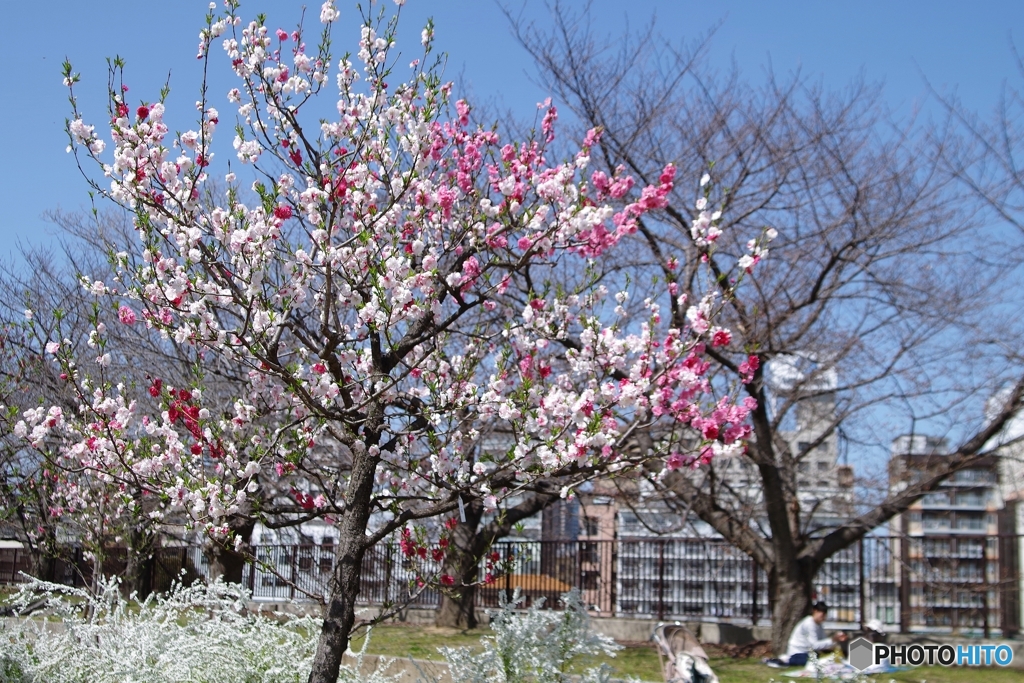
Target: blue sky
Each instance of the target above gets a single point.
(952, 44)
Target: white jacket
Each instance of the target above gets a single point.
(808, 636)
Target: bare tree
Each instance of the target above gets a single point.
(869, 303)
(987, 160)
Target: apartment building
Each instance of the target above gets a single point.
(675, 566)
(950, 572)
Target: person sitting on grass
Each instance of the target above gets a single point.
(807, 637)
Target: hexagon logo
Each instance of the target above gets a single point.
(862, 654)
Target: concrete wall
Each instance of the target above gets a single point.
(706, 632)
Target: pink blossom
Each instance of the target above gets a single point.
(748, 367)
(548, 124)
(470, 271)
(126, 315)
(462, 109)
(720, 337)
(675, 461)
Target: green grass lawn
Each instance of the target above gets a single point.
(753, 671)
(641, 661)
(421, 642)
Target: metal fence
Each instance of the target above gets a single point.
(953, 583)
(938, 583)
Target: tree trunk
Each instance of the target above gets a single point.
(44, 550)
(225, 562)
(43, 565)
(458, 607)
(138, 572)
(790, 594)
(340, 614)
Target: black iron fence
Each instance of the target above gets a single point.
(966, 584)
(74, 568)
(952, 583)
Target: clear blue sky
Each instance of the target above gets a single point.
(952, 43)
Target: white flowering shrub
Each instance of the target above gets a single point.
(534, 645)
(201, 633)
(11, 671)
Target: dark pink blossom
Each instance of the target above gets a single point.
(126, 315)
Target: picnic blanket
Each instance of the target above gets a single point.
(829, 668)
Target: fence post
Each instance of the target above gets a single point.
(863, 586)
(14, 567)
(904, 591)
(613, 575)
(661, 579)
(579, 565)
(388, 571)
(252, 570)
(508, 573)
(753, 592)
(294, 566)
(984, 587)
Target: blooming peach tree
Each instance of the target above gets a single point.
(396, 279)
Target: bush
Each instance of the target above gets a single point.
(534, 645)
(203, 634)
(11, 671)
(198, 633)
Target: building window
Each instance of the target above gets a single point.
(591, 526)
(803, 446)
(822, 466)
(970, 498)
(972, 522)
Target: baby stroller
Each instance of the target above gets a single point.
(683, 660)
